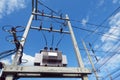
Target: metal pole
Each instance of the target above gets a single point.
(33, 5)
(16, 60)
(77, 51)
(36, 10)
(85, 77)
(27, 29)
(89, 57)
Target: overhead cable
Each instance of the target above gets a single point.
(99, 33)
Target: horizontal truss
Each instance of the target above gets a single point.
(53, 30)
(37, 71)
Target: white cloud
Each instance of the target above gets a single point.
(8, 6)
(114, 61)
(5, 61)
(109, 40)
(113, 33)
(101, 2)
(107, 46)
(85, 20)
(29, 60)
(26, 59)
(116, 1)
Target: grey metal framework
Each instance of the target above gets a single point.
(16, 71)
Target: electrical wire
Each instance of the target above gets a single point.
(112, 73)
(108, 51)
(46, 43)
(114, 12)
(7, 53)
(118, 75)
(99, 33)
(105, 39)
(47, 7)
(59, 40)
(40, 2)
(96, 50)
(104, 21)
(52, 40)
(108, 58)
(92, 24)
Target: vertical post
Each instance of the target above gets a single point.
(9, 77)
(27, 28)
(85, 77)
(18, 53)
(77, 51)
(33, 4)
(36, 9)
(88, 54)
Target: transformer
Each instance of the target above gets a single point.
(50, 58)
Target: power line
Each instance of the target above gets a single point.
(96, 50)
(112, 73)
(59, 40)
(47, 7)
(87, 23)
(44, 38)
(99, 33)
(118, 75)
(105, 20)
(52, 40)
(7, 53)
(106, 38)
(113, 13)
(108, 58)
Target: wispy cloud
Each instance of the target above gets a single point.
(109, 39)
(116, 1)
(114, 61)
(84, 21)
(26, 59)
(101, 2)
(113, 33)
(9, 6)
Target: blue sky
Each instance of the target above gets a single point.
(17, 13)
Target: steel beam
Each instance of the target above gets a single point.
(18, 54)
(90, 59)
(77, 51)
(49, 16)
(37, 71)
(47, 29)
(27, 29)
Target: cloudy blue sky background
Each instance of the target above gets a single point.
(104, 40)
